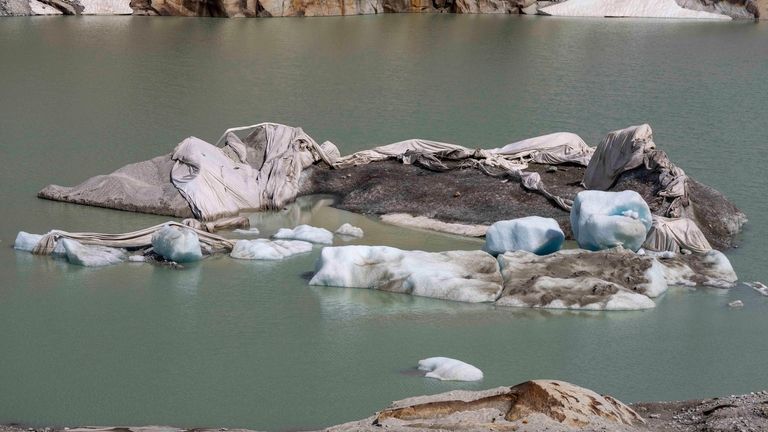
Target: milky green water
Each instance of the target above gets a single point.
(233, 343)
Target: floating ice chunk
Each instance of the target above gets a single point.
(448, 369)
(249, 231)
(535, 234)
(736, 304)
(26, 242)
(349, 230)
(709, 269)
(137, 258)
(577, 279)
(468, 276)
(603, 220)
(177, 244)
(91, 255)
(305, 233)
(263, 249)
(759, 287)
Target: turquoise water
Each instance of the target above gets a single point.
(231, 343)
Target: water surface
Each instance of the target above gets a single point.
(249, 344)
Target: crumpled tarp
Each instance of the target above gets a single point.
(620, 150)
(674, 234)
(554, 149)
(417, 146)
(131, 240)
(261, 171)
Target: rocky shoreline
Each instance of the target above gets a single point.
(530, 406)
(696, 9)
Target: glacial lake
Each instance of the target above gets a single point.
(248, 344)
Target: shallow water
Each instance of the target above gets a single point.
(237, 343)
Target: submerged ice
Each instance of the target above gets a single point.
(306, 233)
(263, 249)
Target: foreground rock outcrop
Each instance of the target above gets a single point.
(697, 9)
(530, 406)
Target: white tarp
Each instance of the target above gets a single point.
(626, 8)
(671, 235)
(394, 150)
(556, 148)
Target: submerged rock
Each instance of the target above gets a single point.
(605, 220)
(306, 233)
(448, 369)
(468, 276)
(531, 406)
(263, 249)
(535, 234)
(177, 244)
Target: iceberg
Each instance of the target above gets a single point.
(627, 8)
(92, 255)
(306, 233)
(263, 249)
(711, 269)
(468, 276)
(350, 231)
(178, 244)
(604, 220)
(535, 234)
(448, 369)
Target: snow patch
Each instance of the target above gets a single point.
(627, 8)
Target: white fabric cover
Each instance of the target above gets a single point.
(448, 369)
(394, 150)
(619, 151)
(222, 181)
(604, 220)
(627, 8)
(175, 243)
(669, 234)
(263, 249)
(556, 148)
(468, 276)
(535, 234)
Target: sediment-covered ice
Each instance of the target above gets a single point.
(177, 244)
(448, 369)
(711, 269)
(627, 8)
(263, 249)
(577, 279)
(306, 233)
(535, 234)
(91, 255)
(468, 276)
(604, 220)
(350, 231)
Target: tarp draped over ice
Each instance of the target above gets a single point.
(131, 240)
(261, 171)
(669, 234)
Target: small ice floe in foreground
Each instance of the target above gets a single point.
(535, 234)
(305, 233)
(92, 255)
(177, 244)
(448, 369)
(263, 249)
(349, 230)
(249, 231)
(759, 287)
(736, 304)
